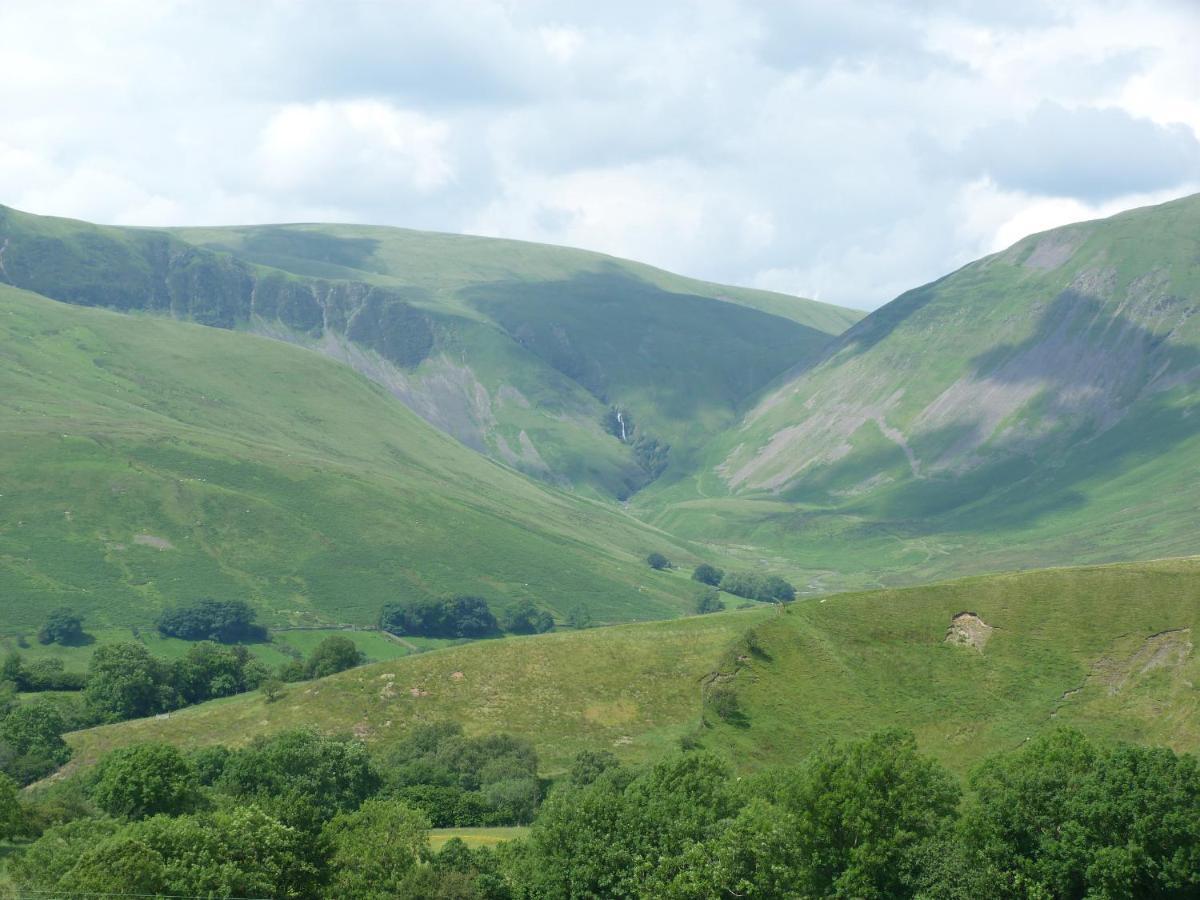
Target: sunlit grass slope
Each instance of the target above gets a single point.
(145, 461)
(630, 689)
(1108, 649)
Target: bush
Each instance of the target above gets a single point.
(226, 621)
(31, 744)
(658, 562)
(706, 574)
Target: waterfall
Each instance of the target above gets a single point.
(621, 422)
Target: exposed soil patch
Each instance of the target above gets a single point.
(1165, 649)
(149, 540)
(968, 630)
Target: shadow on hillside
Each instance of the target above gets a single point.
(615, 334)
(1113, 387)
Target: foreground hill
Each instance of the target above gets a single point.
(1040, 406)
(147, 461)
(1108, 649)
(584, 370)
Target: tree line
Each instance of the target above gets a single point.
(308, 816)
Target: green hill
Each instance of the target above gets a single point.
(148, 461)
(1037, 407)
(524, 352)
(1108, 649)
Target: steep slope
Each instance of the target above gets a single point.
(145, 460)
(581, 369)
(1108, 649)
(1038, 406)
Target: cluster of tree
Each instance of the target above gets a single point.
(875, 819)
(305, 816)
(297, 815)
(709, 601)
(224, 621)
(751, 585)
(458, 781)
(125, 681)
(461, 617)
(46, 674)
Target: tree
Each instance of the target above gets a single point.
(374, 848)
(145, 780)
(271, 689)
(225, 621)
(126, 682)
(525, 618)
(305, 777)
(12, 815)
(709, 602)
(62, 626)
(209, 670)
(1073, 819)
(121, 866)
(706, 574)
(472, 617)
(860, 809)
(579, 617)
(589, 765)
(31, 744)
(658, 562)
(334, 654)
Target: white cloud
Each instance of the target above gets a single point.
(352, 150)
(849, 150)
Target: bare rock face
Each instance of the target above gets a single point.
(968, 630)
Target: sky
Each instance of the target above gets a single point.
(843, 151)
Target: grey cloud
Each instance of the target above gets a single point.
(1088, 153)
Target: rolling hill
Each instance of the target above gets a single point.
(148, 461)
(587, 371)
(1038, 407)
(973, 666)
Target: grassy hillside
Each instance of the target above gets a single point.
(1037, 407)
(632, 689)
(146, 460)
(521, 351)
(1109, 649)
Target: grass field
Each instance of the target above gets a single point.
(474, 837)
(148, 461)
(1108, 649)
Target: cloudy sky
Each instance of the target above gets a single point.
(845, 151)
